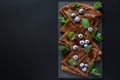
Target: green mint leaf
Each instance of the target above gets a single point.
(96, 72)
(72, 62)
(91, 67)
(63, 20)
(66, 21)
(88, 48)
(85, 23)
(64, 49)
(93, 33)
(71, 35)
(97, 5)
(76, 6)
(98, 37)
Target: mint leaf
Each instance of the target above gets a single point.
(71, 35)
(97, 5)
(98, 37)
(72, 62)
(93, 70)
(64, 49)
(85, 23)
(63, 20)
(76, 6)
(88, 48)
(91, 67)
(93, 33)
(96, 72)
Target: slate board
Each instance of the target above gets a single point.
(99, 64)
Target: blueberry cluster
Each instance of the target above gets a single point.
(83, 66)
(76, 18)
(83, 42)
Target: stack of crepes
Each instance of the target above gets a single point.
(92, 15)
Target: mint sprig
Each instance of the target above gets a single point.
(98, 37)
(64, 49)
(77, 5)
(95, 71)
(63, 20)
(97, 5)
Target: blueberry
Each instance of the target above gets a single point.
(81, 11)
(90, 29)
(75, 47)
(80, 36)
(81, 42)
(77, 19)
(85, 45)
(73, 15)
(82, 65)
(75, 57)
(87, 41)
(86, 65)
(84, 69)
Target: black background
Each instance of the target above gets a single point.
(28, 39)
